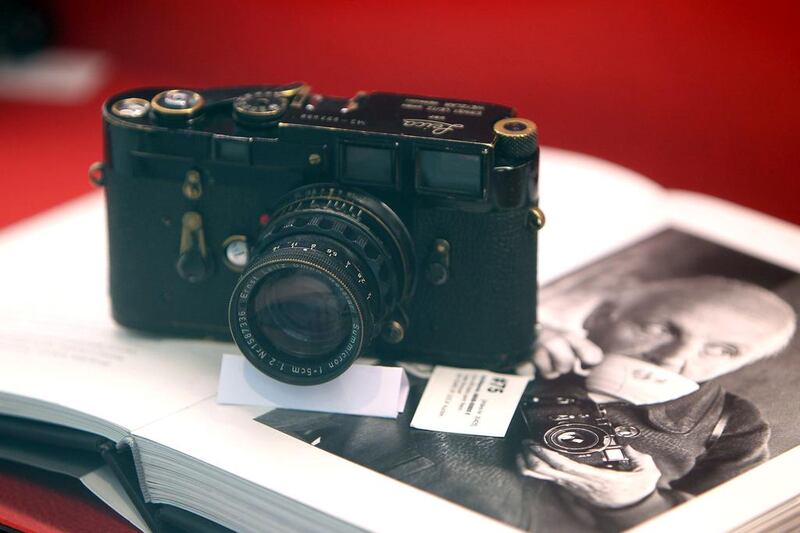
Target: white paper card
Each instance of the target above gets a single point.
(361, 390)
(473, 402)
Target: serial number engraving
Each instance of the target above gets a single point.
(333, 119)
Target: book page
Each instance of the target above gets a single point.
(736, 226)
(770, 384)
(592, 207)
(476, 475)
(229, 439)
(714, 297)
(63, 358)
(698, 289)
(687, 311)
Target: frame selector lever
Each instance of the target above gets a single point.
(194, 264)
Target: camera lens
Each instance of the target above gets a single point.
(576, 438)
(324, 277)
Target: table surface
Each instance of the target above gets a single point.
(38, 501)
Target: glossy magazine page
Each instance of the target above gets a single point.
(692, 358)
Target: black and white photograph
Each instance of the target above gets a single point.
(661, 371)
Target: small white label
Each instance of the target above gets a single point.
(361, 390)
(472, 402)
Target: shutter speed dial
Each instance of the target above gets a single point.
(260, 108)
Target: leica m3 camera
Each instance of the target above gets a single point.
(575, 427)
(313, 229)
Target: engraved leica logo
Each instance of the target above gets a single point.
(436, 127)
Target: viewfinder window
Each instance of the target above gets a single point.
(449, 172)
(232, 150)
(368, 164)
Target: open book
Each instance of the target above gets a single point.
(610, 233)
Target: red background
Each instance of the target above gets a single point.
(701, 96)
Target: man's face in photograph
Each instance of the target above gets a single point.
(698, 327)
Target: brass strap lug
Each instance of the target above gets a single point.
(536, 218)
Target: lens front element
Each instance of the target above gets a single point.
(298, 314)
(302, 312)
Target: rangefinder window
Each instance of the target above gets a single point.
(232, 149)
(369, 165)
(449, 172)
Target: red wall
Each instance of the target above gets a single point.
(697, 95)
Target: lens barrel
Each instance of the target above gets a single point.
(324, 277)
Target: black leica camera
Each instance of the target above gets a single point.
(313, 228)
(575, 427)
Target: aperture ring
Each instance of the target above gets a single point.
(361, 211)
(357, 241)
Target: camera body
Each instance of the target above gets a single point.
(200, 182)
(575, 427)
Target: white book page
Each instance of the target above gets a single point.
(592, 208)
(735, 503)
(59, 346)
(736, 227)
(257, 453)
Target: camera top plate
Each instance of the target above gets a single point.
(380, 112)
